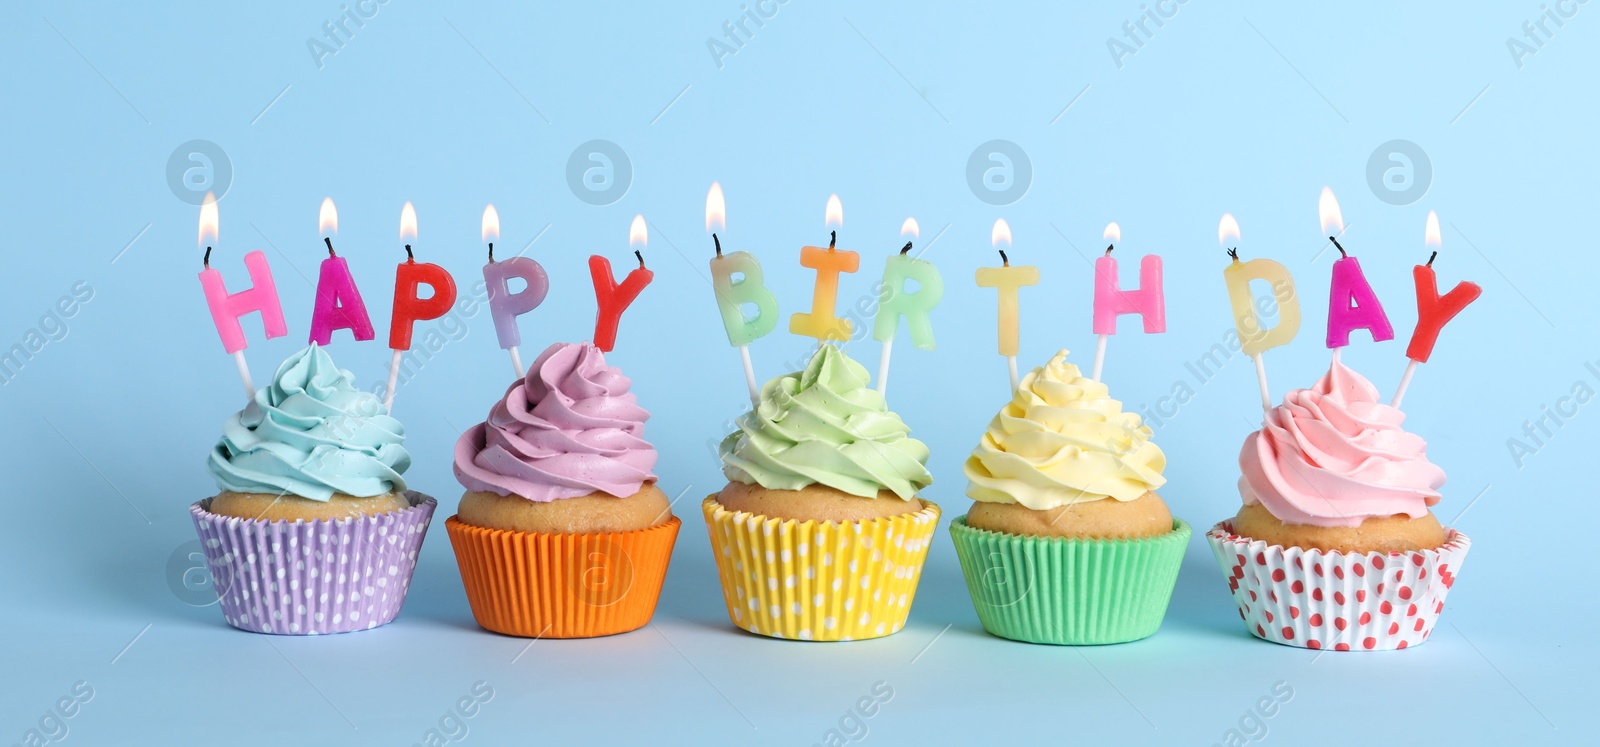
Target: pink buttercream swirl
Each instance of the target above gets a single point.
(1333, 456)
(568, 429)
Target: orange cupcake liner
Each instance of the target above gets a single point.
(551, 585)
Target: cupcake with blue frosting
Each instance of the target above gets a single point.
(314, 529)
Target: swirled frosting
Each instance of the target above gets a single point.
(311, 433)
(825, 426)
(567, 429)
(1061, 440)
(1333, 456)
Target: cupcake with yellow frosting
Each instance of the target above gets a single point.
(1067, 541)
(820, 534)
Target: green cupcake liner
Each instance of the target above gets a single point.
(1069, 591)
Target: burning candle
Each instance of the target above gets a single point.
(895, 301)
(504, 305)
(613, 298)
(409, 306)
(820, 321)
(1254, 337)
(1351, 303)
(338, 303)
(226, 308)
(1433, 311)
(1110, 301)
(737, 281)
(1007, 280)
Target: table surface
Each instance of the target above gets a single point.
(573, 120)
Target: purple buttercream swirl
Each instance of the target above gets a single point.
(568, 429)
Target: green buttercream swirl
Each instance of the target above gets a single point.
(824, 425)
(311, 433)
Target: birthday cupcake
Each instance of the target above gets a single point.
(562, 532)
(1335, 546)
(1067, 541)
(819, 534)
(314, 530)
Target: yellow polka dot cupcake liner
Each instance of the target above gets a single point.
(819, 581)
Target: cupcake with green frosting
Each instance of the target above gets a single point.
(820, 533)
(1067, 541)
(313, 529)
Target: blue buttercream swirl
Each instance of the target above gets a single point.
(311, 433)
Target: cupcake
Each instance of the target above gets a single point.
(562, 532)
(1067, 541)
(819, 534)
(1335, 545)
(314, 530)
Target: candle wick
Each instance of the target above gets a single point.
(1234, 253)
(905, 249)
(640, 255)
(329, 241)
(206, 261)
(833, 238)
(409, 257)
(1109, 247)
(1432, 257)
(1336, 246)
(718, 242)
(491, 252)
(1004, 261)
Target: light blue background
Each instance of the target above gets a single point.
(1248, 107)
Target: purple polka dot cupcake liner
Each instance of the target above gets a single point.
(312, 577)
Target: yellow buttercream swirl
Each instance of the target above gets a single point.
(1061, 440)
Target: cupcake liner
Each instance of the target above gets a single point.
(312, 577)
(819, 581)
(554, 585)
(1370, 601)
(1068, 591)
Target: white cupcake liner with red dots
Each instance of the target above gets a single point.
(1331, 600)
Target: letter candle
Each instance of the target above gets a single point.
(227, 308)
(1110, 301)
(613, 298)
(409, 306)
(820, 321)
(894, 301)
(733, 294)
(338, 303)
(1433, 311)
(504, 305)
(1351, 303)
(1007, 280)
(1254, 339)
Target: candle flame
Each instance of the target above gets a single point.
(910, 228)
(1431, 235)
(1328, 212)
(408, 223)
(716, 209)
(638, 235)
(834, 215)
(1113, 232)
(327, 218)
(491, 224)
(208, 220)
(1228, 230)
(1001, 234)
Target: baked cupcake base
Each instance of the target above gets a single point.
(1365, 601)
(819, 581)
(1069, 591)
(312, 577)
(553, 585)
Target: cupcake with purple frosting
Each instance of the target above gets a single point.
(562, 531)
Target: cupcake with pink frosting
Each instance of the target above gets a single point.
(562, 532)
(1336, 545)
